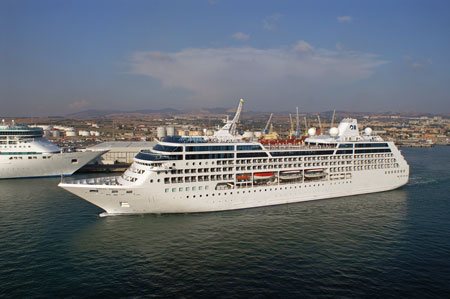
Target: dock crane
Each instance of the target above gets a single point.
(291, 132)
(266, 128)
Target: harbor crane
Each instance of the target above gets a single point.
(266, 128)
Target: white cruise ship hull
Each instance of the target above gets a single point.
(201, 174)
(116, 200)
(54, 164)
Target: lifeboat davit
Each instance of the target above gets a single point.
(263, 175)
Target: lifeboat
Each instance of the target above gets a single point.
(315, 173)
(290, 175)
(263, 175)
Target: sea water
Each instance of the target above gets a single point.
(388, 244)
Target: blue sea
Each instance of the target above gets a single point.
(384, 245)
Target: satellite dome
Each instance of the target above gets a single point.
(312, 131)
(368, 131)
(334, 131)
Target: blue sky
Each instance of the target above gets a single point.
(61, 56)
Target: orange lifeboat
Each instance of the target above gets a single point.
(263, 175)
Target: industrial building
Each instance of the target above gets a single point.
(120, 152)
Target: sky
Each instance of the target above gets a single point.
(63, 56)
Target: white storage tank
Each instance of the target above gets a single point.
(170, 131)
(71, 133)
(45, 127)
(161, 132)
(84, 133)
(248, 135)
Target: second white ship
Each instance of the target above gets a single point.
(24, 153)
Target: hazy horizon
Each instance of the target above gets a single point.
(62, 57)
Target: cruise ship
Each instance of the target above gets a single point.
(226, 172)
(24, 152)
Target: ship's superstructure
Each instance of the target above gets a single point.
(225, 172)
(25, 153)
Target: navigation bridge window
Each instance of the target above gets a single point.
(346, 145)
(167, 148)
(147, 155)
(359, 145)
(252, 147)
(209, 156)
(209, 148)
(184, 139)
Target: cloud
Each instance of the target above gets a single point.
(214, 75)
(78, 105)
(303, 46)
(345, 19)
(240, 36)
(270, 22)
(416, 63)
(339, 46)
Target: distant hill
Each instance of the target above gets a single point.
(152, 111)
(92, 113)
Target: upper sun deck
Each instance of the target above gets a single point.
(14, 129)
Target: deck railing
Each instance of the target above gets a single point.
(96, 181)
